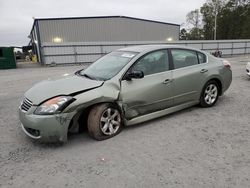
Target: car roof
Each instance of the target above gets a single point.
(144, 48)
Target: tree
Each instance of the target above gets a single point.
(232, 18)
(194, 21)
(234, 21)
(195, 34)
(210, 10)
(183, 34)
(246, 26)
(194, 18)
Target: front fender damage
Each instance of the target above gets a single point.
(64, 121)
(107, 93)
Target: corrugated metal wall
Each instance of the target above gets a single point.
(35, 42)
(106, 29)
(87, 52)
(87, 39)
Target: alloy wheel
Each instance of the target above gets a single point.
(110, 121)
(210, 94)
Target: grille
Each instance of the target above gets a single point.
(26, 104)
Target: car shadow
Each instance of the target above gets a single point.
(246, 78)
(83, 137)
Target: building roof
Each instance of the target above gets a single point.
(100, 17)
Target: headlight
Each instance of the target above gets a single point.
(54, 105)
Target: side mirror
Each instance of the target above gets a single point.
(134, 74)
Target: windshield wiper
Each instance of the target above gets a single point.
(87, 76)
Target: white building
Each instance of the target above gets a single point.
(84, 39)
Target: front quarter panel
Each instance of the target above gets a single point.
(108, 92)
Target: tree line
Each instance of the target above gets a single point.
(218, 19)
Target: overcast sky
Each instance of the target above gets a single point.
(16, 15)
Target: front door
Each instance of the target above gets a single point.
(153, 92)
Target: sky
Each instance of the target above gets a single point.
(16, 16)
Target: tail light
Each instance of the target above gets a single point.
(226, 63)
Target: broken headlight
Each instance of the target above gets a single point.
(54, 105)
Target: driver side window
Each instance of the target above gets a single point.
(153, 62)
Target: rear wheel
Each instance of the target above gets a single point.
(210, 94)
(104, 121)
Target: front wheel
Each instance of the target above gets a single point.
(104, 121)
(210, 94)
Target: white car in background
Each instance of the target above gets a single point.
(248, 68)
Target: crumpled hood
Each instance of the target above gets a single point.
(63, 86)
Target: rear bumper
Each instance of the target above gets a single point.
(46, 128)
(227, 80)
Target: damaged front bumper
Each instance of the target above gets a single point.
(46, 128)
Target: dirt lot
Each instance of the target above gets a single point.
(193, 148)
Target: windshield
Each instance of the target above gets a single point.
(108, 66)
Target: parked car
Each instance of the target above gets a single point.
(248, 68)
(124, 87)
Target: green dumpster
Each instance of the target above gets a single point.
(7, 58)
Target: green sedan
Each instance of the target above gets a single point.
(125, 87)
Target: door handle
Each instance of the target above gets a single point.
(203, 70)
(167, 81)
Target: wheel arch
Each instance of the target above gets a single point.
(218, 81)
(209, 81)
(81, 117)
(215, 78)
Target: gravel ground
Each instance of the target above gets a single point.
(196, 147)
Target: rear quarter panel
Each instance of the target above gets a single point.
(217, 70)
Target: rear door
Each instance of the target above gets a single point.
(153, 92)
(190, 71)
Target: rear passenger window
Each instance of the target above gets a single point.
(184, 58)
(202, 58)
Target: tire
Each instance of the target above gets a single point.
(104, 121)
(209, 94)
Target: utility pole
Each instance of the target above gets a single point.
(215, 19)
